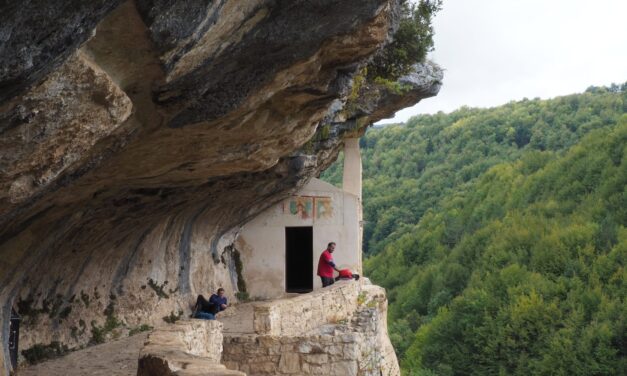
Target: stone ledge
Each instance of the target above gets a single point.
(186, 348)
(297, 315)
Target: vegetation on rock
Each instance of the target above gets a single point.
(158, 288)
(139, 329)
(99, 333)
(173, 317)
(39, 353)
(412, 41)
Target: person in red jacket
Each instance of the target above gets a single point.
(326, 266)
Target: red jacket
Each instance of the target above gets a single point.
(326, 264)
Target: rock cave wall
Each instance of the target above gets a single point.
(136, 137)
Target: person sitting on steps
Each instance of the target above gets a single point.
(208, 309)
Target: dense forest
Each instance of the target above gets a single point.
(501, 236)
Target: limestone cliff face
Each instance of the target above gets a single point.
(135, 137)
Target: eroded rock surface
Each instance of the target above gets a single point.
(52, 126)
(135, 137)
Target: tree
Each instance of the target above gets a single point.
(412, 41)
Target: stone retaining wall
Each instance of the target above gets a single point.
(297, 315)
(354, 345)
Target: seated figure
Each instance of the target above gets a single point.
(207, 309)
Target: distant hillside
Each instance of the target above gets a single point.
(501, 236)
(409, 168)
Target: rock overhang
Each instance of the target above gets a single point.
(195, 146)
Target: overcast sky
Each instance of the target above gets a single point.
(495, 51)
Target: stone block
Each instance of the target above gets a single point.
(351, 351)
(317, 358)
(335, 350)
(349, 337)
(289, 363)
(319, 369)
(263, 367)
(287, 348)
(306, 369)
(345, 368)
(194, 346)
(304, 348)
(274, 349)
(327, 329)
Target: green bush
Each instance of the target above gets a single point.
(39, 353)
(411, 42)
(242, 296)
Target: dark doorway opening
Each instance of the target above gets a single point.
(299, 259)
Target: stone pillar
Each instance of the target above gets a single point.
(352, 167)
(352, 184)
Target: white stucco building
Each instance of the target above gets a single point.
(280, 248)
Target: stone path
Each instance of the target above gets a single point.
(117, 358)
(120, 358)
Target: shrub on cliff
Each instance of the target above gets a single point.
(412, 41)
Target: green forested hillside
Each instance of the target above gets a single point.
(501, 236)
(409, 168)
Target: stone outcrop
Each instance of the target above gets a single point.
(135, 137)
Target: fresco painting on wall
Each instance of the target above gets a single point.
(300, 206)
(324, 207)
(306, 207)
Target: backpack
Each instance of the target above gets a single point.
(346, 273)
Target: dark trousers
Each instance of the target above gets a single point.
(203, 305)
(204, 315)
(327, 281)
